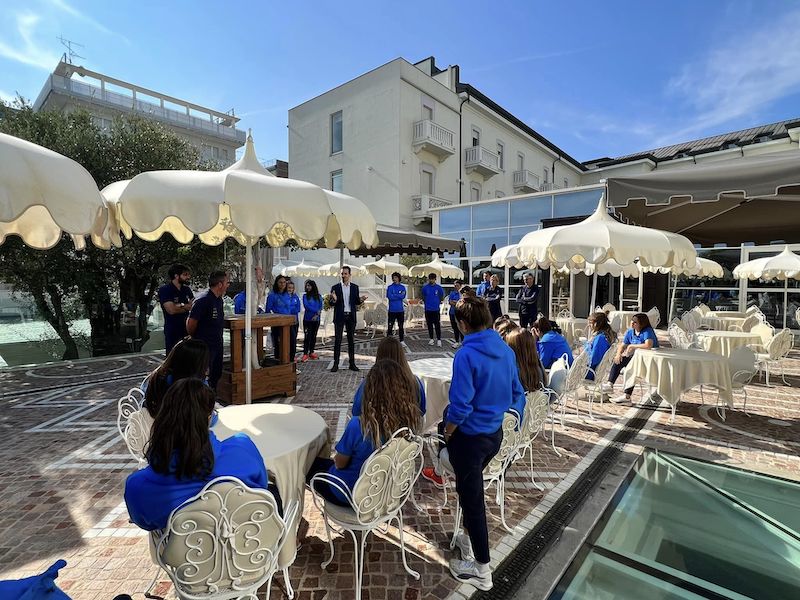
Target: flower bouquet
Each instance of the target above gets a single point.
(327, 302)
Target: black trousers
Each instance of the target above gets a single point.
(617, 368)
(398, 317)
(293, 341)
(214, 366)
(349, 324)
(469, 455)
(310, 329)
(526, 319)
(457, 335)
(275, 333)
(495, 310)
(434, 321)
(322, 465)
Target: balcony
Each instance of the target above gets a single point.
(421, 205)
(482, 161)
(434, 138)
(525, 181)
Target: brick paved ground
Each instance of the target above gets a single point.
(63, 466)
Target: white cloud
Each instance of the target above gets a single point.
(530, 58)
(7, 97)
(29, 52)
(740, 77)
(64, 6)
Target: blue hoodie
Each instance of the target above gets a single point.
(396, 293)
(279, 303)
(596, 347)
(294, 305)
(553, 346)
(313, 308)
(485, 384)
(454, 295)
(433, 294)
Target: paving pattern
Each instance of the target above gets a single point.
(63, 467)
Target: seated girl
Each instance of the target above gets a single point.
(183, 456)
(390, 402)
(531, 371)
(551, 345)
(188, 358)
(640, 335)
(391, 349)
(600, 340)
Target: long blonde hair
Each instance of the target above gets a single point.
(390, 348)
(390, 402)
(530, 368)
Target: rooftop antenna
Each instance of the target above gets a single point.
(70, 53)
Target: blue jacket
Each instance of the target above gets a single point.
(313, 308)
(485, 384)
(596, 347)
(551, 347)
(527, 298)
(481, 290)
(359, 397)
(454, 295)
(396, 293)
(151, 496)
(294, 305)
(631, 337)
(279, 303)
(433, 294)
(240, 303)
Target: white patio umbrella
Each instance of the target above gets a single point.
(278, 269)
(384, 267)
(442, 269)
(783, 266)
(600, 238)
(304, 269)
(44, 194)
(245, 202)
(332, 270)
(507, 256)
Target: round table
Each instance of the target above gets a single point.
(725, 342)
(572, 328)
(722, 323)
(673, 371)
(289, 438)
(727, 313)
(436, 374)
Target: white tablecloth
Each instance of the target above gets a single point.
(289, 438)
(726, 313)
(572, 327)
(725, 342)
(435, 374)
(673, 371)
(725, 323)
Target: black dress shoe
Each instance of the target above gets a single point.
(334, 368)
(353, 367)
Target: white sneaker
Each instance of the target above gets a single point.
(464, 546)
(439, 343)
(621, 399)
(431, 343)
(404, 345)
(471, 572)
(606, 387)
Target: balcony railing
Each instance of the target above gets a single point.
(123, 101)
(434, 138)
(525, 181)
(422, 203)
(481, 160)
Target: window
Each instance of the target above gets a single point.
(336, 181)
(427, 179)
(454, 219)
(428, 105)
(531, 211)
(336, 132)
(576, 204)
(476, 136)
(500, 156)
(546, 175)
(474, 192)
(225, 154)
(489, 215)
(520, 161)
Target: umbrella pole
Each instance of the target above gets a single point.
(621, 290)
(251, 307)
(672, 297)
(594, 292)
(341, 257)
(640, 293)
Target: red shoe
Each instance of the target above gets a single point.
(431, 475)
(305, 358)
(313, 356)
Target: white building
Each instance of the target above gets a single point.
(406, 138)
(72, 87)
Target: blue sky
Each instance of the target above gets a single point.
(596, 78)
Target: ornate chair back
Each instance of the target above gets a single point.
(655, 316)
(608, 307)
(497, 466)
(743, 366)
(750, 321)
(765, 332)
(134, 424)
(577, 372)
(703, 309)
(558, 375)
(536, 405)
(603, 369)
(690, 321)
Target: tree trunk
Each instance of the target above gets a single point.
(55, 316)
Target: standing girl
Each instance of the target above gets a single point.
(494, 295)
(312, 303)
(452, 300)
(278, 303)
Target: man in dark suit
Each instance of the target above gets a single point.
(345, 301)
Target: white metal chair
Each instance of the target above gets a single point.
(677, 323)
(655, 316)
(690, 321)
(776, 350)
(573, 382)
(385, 483)
(679, 338)
(493, 474)
(765, 332)
(556, 381)
(749, 322)
(797, 316)
(616, 324)
(703, 309)
(744, 366)
(533, 421)
(223, 543)
(565, 314)
(599, 375)
(608, 307)
(134, 424)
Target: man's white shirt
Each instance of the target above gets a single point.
(346, 298)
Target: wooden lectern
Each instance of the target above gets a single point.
(270, 380)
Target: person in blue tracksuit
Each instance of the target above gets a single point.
(312, 306)
(433, 294)
(279, 303)
(485, 385)
(602, 337)
(485, 284)
(452, 300)
(396, 294)
(552, 345)
(294, 309)
(640, 335)
(183, 456)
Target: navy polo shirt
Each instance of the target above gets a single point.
(174, 325)
(207, 310)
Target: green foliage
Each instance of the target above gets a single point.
(103, 280)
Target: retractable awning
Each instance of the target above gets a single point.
(398, 241)
(753, 199)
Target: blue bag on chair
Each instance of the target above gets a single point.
(38, 587)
